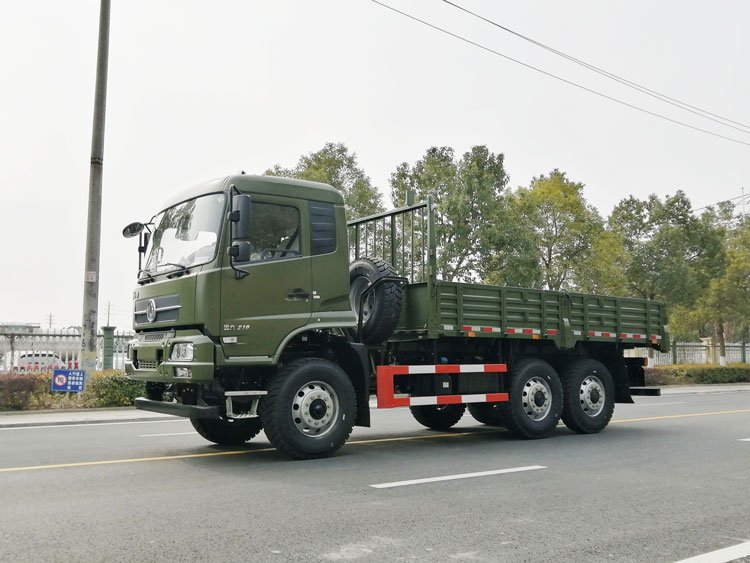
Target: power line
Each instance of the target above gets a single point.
(560, 78)
(643, 89)
(742, 197)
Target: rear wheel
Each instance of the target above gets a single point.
(536, 398)
(491, 414)
(227, 432)
(589, 397)
(438, 417)
(310, 409)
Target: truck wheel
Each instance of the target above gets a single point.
(438, 417)
(227, 432)
(491, 414)
(382, 307)
(536, 399)
(310, 409)
(589, 397)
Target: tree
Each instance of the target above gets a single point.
(564, 227)
(468, 195)
(334, 164)
(725, 302)
(672, 254)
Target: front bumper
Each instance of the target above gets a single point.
(149, 357)
(177, 409)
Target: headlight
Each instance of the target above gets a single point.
(182, 352)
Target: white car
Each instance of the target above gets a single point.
(39, 361)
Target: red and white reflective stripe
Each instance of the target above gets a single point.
(633, 335)
(552, 332)
(513, 330)
(385, 384)
(655, 337)
(471, 328)
(601, 334)
(454, 399)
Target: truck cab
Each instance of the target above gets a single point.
(198, 308)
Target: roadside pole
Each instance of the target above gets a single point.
(93, 230)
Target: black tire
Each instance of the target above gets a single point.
(491, 414)
(536, 398)
(589, 397)
(438, 417)
(310, 409)
(227, 432)
(382, 308)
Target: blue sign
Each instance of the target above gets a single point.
(68, 380)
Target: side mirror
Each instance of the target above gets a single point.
(133, 230)
(240, 216)
(240, 251)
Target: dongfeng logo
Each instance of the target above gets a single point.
(151, 310)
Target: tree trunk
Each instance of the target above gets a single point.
(722, 344)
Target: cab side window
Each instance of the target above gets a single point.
(274, 232)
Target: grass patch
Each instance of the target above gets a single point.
(696, 374)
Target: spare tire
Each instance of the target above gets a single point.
(382, 307)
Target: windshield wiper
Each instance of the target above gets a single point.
(180, 271)
(147, 278)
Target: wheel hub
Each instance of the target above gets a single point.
(537, 398)
(315, 409)
(358, 286)
(592, 395)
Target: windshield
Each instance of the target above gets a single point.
(186, 235)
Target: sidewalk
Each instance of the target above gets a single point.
(19, 419)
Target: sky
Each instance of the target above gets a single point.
(199, 90)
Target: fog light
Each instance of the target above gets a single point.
(183, 373)
(182, 352)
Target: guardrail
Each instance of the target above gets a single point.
(693, 353)
(39, 351)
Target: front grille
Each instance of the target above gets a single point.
(146, 364)
(167, 309)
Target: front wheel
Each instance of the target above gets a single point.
(589, 397)
(226, 432)
(536, 398)
(438, 417)
(310, 409)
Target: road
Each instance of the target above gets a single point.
(669, 479)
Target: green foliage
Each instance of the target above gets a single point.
(334, 164)
(468, 196)
(694, 374)
(18, 390)
(563, 227)
(671, 254)
(112, 389)
(23, 391)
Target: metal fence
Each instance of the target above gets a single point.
(706, 352)
(42, 350)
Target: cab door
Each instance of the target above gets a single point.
(275, 298)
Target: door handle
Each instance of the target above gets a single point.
(298, 295)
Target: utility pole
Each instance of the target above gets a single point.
(93, 231)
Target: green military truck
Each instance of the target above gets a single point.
(259, 308)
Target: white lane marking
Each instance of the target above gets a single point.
(661, 404)
(744, 440)
(90, 424)
(169, 434)
(721, 555)
(457, 476)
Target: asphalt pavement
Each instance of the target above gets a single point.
(668, 480)
(10, 419)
